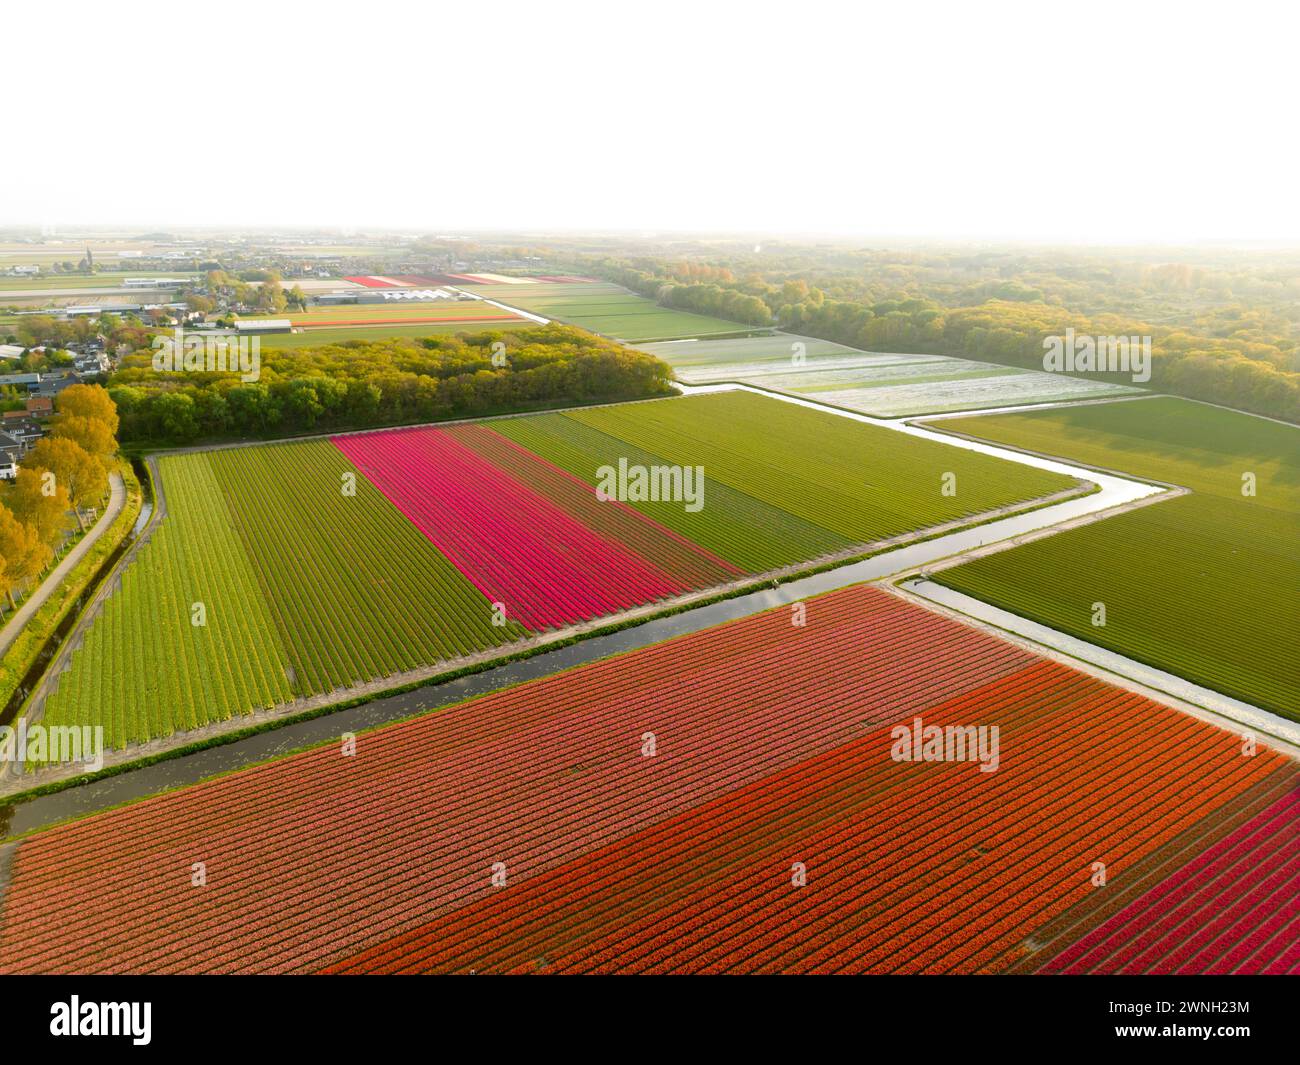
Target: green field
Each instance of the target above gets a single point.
(105, 251)
(609, 310)
(783, 482)
(305, 590)
(862, 482)
(1206, 586)
(743, 528)
(144, 669)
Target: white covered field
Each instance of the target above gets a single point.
(886, 384)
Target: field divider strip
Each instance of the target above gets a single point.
(505, 307)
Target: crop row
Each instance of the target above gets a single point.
(265, 581)
(644, 874)
(186, 639)
(710, 891)
(356, 591)
(861, 482)
(612, 519)
(772, 747)
(518, 547)
(1204, 913)
(532, 776)
(740, 527)
(1201, 586)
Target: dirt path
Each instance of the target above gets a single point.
(38, 598)
(36, 701)
(529, 315)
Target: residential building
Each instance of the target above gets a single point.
(22, 427)
(91, 363)
(11, 453)
(51, 385)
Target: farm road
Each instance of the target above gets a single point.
(38, 598)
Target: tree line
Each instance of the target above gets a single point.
(66, 472)
(390, 381)
(1224, 336)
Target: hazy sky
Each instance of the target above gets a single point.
(1093, 121)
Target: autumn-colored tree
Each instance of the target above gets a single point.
(24, 553)
(41, 502)
(92, 434)
(88, 401)
(80, 472)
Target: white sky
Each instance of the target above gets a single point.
(1090, 121)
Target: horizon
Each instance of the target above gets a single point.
(1096, 130)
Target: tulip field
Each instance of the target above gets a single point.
(1204, 585)
(268, 580)
(728, 801)
(1234, 907)
(526, 534)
